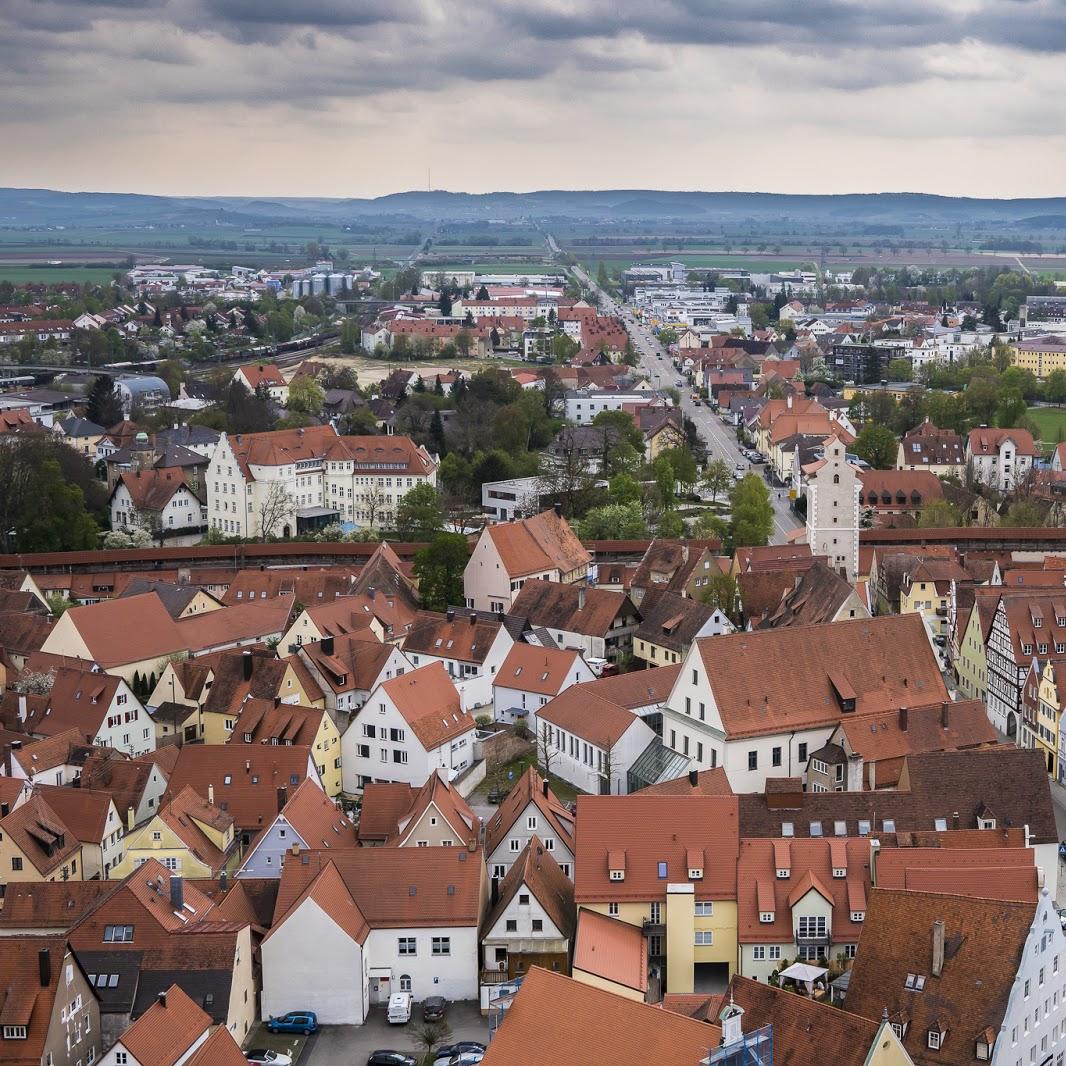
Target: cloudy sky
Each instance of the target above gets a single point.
(364, 97)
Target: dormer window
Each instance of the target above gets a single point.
(900, 1029)
(695, 874)
(782, 874)
(1027, 648)
(984, 1044)
(618, 875)
(766, 917)
(986, 823)
(840, 872)
(858, 916)
(936, 1039)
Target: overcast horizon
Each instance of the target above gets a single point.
(337, 98)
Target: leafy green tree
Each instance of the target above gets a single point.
(720, 590)
(1024, 513)
(306, 396)
(684, 465)
(625, 428)
(717, 477)
(624, 488)
(1055, 387)
(878, 446)
(173, 373)
(671, 524)
(709, 526)
(662, 470)
(752, 519)
(614, 521)
(899, 370)
(760, 315)
(939, 514)
(41, 510)
(439, 569)
(418, 514)
(1011, 408)
(667, 337)
(351, 336)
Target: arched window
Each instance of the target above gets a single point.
(836, 479)
(405, 982)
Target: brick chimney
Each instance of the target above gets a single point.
(938, 947)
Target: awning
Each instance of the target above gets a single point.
(381, 971)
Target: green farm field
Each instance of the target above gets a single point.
(53, 275)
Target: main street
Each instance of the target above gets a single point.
(720, 439)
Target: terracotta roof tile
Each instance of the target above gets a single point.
(534, 669)
(611, 949)
(429, 703)
(986, 440)
(529, 788)
(886, 661)
(317, 819)
(572, 608)
(708, 783)
(592, 1027)
(22, 999)
(127, 630)
(166, 1031)
(464, 636)
(983, 943)
(537, 870)
(653, 831)
(532, 545)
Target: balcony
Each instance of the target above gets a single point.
(814, 940)
(653, 927)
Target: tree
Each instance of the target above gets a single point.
(877, 445)
(41, 508)
(464, 341)
(1024, 513)
(306, 396)
(667, 337)
(899, 369)
(939, 514)
(373, 502)
(624, 488)
(625, 429)
(1055, 387)
(717, 477)
(662, 471)
(103, 405)
(439, 568)
(430, 1035)
(614, 521)
(445, 304)
(418, 514)
(720, 590)
(752, 513)
(684, 466)
(1011, 408)
(546, 751)
(672, 525)
(351, 337)
(173, 373)
(278, 504)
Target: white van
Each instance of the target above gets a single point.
(400, 1008)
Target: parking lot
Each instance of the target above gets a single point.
(351, 1045)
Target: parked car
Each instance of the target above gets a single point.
(464, 1058)
(459, 1048)
(266, 1055)
(739, 471)
(433, 1008)
(296, 1021)
(400, 1008)
(391, 1058)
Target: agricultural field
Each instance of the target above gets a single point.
(53, 275)
(1051, 422)
(540, 266)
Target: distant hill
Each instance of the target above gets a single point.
(22, 207)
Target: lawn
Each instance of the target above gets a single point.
(1051, 421)
(562, 789)
(53, 275)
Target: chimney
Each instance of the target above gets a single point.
(694, 778)
(131, 819)
(223, 881)
(327, 645)
(450, 614)
(473, 618)
(855, 772)
(544, 786)
(5, 809)
(938, 947)
(581, 598)
(955, 820)
(283, 797)
(559, 509)
(371, 592)
(177, 892)
(499, 617)
(246, 658)
(211, 794)
(945, 715)
(22, 707)
(44, 966)
(903, 719)
(247, 766)
(162, 998)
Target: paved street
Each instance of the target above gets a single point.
(351, 1045)
(720, 439)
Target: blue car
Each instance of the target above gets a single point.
(296, 1021)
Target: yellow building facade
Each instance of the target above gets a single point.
(971, 660)
(1049, 714)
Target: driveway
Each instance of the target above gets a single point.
(351, 1045)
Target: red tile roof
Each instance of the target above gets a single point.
(529, 788)
(592, 1027)
(167, 1030)
(532, 545)
(649, 831)
(611, 949)
(529, 668)
(128, 630)
(880, 662)
(22, 999)
(429, 702)
(986, 440)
